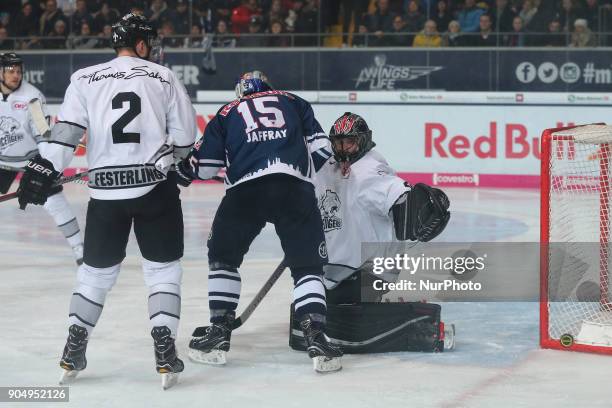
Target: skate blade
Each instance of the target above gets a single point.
(169, 380)
(449, 337)
(322, 364)
(68, 376)
(214, 357)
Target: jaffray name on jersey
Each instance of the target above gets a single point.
(264, 135)
(126, 177)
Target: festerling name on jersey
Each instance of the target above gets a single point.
(265, 135)
(124, 177)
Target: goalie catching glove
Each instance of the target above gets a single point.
(37, 182)
(420, 214)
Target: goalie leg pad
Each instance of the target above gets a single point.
(379, 328)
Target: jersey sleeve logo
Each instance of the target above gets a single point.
(330, 205)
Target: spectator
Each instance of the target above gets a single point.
(361, 38)
(570, 11)
(554, 37)
(469, 17)
(381, 21)
(49, 17)
(398, 36)
(195, 39)
(223, 38)
(429, 37)
(179, 17)
(453, 37)
(138, 8)
(486, 37)
(276, 13)
(154, 13)
(292, 15)
(5, 43)
(582, 36)
(352, 11)
(414, 19)
(241, 16)
(104, 40)
(277, 36)
(503, 16)
(442, 16)
(517, 37)
(254, 37)
(106, 16)
(528, 12)
(85, 40)
(26, 23)
(80, 16)
(168, 36)
(591, 14)
(57, 37)
(308, 23)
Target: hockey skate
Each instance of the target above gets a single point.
(325, 356)
(167, 362)
(73, 358)
(209, 345)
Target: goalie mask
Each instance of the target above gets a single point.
(252, 82)
(132, 28)
(12, 70)
(350, 137)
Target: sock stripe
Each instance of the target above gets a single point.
(82, 320)
(87, 300)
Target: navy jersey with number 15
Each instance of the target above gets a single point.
(259, 134)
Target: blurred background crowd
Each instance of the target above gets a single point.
(86, 24)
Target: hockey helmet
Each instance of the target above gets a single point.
(252, 82)
(351, 125)
(132, 28)
(10, 60)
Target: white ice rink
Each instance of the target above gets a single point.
(497, 362)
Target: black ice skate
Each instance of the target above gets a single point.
(73, 358)
(167, 362)
(325, 356)
(209, 345)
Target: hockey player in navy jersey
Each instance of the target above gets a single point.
(271, 144)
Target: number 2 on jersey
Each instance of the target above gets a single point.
(134, 109)
(278, 120)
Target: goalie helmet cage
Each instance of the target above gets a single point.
(575, 307)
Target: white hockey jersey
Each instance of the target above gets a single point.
(18, 135)
(137, 116)
(355, 209)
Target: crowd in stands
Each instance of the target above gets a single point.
(86, 24)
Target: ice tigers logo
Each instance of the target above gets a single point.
(329, 205)
(8, 127)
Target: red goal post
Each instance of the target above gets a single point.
(575, 307)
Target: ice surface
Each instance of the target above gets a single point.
(497, 362)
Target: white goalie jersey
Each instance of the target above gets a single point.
(138, 118)
(355, 210)
(18, 135)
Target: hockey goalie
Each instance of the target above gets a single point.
(362, 200)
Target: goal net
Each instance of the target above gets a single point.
(575, 308)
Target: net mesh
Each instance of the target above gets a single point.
(578, 289)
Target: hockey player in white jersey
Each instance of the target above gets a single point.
(139, 120)
(19, 138)
(362, 200)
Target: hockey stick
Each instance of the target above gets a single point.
(61, 181)
(201, 331)
(38, 117)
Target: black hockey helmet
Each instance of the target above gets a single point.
(132, 28)
(351, 125)
(8, 60)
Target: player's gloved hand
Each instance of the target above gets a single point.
(184, 171)
(37, 181)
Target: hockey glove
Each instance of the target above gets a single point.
(37, 182)
(430, 213)
(184, 171)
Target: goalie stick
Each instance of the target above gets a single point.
(61, 181)
(201, 331)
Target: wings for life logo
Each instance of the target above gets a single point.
(386, 76)
(329, 205)
(8, 127)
